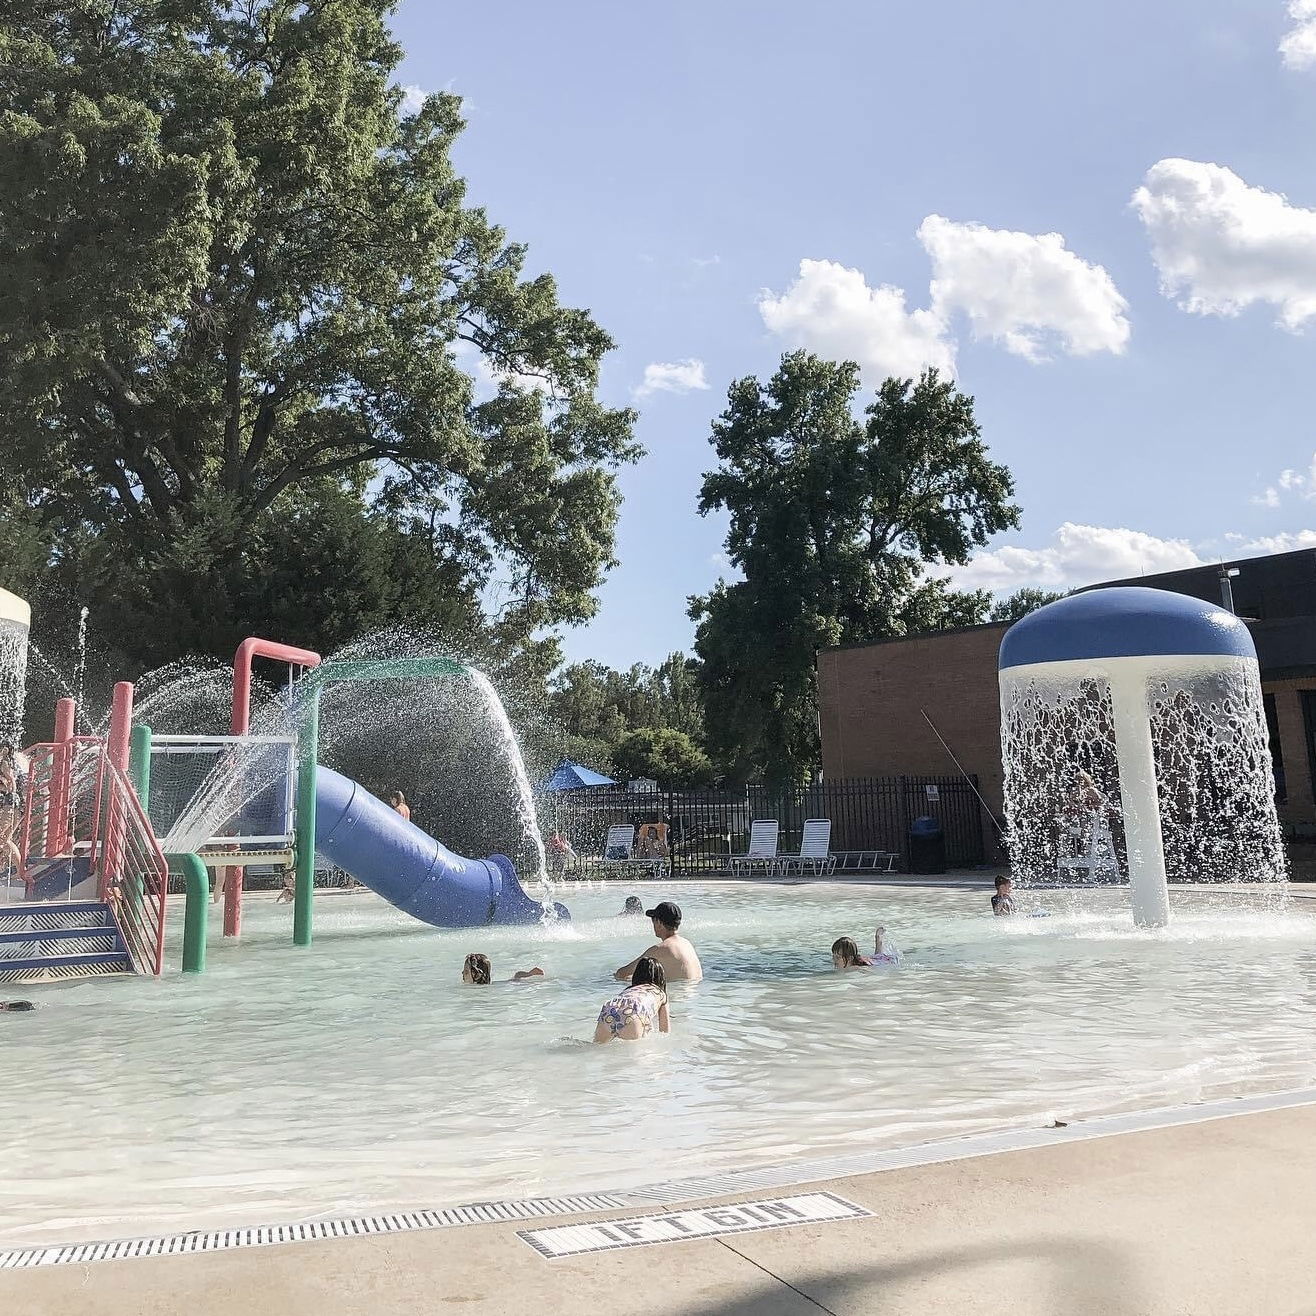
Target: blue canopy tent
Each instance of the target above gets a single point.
(568, 776)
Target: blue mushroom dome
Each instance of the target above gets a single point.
(1125, 622)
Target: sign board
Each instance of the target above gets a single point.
(643, 786)
(934, 792)
(674, 1226)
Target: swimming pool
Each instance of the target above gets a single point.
(361, 1076)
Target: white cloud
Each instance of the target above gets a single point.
(831, 310)
(672, 377)
(1298, 49)
(1286, 542)
(413, 98)
(1076, 555)
(1023, 289)
(1302, 483)
(1221, 246)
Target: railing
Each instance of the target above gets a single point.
(80, 805)
(132, 870)
(61, 808)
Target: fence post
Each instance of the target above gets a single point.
(903, 839)
(61, 773)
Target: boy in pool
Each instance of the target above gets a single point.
(1003, 900)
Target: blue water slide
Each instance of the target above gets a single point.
(410, 869)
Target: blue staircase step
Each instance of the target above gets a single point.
(49, 941)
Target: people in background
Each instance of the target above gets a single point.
(1003, 900)
(845, 955)
(883, 950)
(11, 808)
(558, 851)
(477, 970)
(398, 803)
(677, 956)
(652, 841)
(640, 1009)
(633, 908)
(288, 890)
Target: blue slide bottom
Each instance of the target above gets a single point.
(381, 849)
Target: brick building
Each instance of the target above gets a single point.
(873, 697)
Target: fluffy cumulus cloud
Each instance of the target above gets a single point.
(1290, 483)
(1298, 48)
(1023, 290)
(672, 377)
(1076, 555)
(1221, 246)
(831, 309)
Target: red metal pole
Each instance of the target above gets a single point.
(117, 751)
(250, 648)
(61, 773)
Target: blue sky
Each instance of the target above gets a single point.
(1146, 374)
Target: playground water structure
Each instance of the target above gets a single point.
(363, 1076)
(1141, 709)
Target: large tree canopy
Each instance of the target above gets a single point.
(242, 294)
(833, 520)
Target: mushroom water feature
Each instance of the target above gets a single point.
(15, 621)
(1132, 723)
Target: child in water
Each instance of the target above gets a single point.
(1003, 900)
(640, 1009)
(845, 955)
(477, 970)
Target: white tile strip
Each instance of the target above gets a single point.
(680, 1226)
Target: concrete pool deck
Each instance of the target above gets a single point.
(1206, 1219)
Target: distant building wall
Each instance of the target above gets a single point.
(871, 696)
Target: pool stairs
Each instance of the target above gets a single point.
(54, 940)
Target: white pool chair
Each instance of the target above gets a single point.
(762, 852)
(815, 850)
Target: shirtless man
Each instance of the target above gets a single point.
(673, 951)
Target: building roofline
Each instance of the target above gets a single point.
(918, 635)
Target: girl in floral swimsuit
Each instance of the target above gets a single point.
(637, 1011)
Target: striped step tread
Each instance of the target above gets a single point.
(65, 941)
(40, 968)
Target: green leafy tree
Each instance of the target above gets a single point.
(668, 757)
(243, 296)
(833, 521)
(591, 708)
(1022, 602)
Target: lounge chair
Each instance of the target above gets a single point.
(815, 850)
(619, 850)
(762, 852)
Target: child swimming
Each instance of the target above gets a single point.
(638, 1010)
(845, 955)
(883, 950)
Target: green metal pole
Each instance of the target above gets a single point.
(139, 764)
(308, 754)
(139, 773)
(197, 910)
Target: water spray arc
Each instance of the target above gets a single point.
(1153, 699)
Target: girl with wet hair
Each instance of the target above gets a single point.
(845, 955)
(639, 1010)
(477, 970)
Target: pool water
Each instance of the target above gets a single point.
(360, 1075)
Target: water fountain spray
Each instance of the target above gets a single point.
(1137, 712)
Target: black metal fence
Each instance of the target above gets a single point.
(705, 828)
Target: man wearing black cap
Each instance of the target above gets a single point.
(673, 951)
